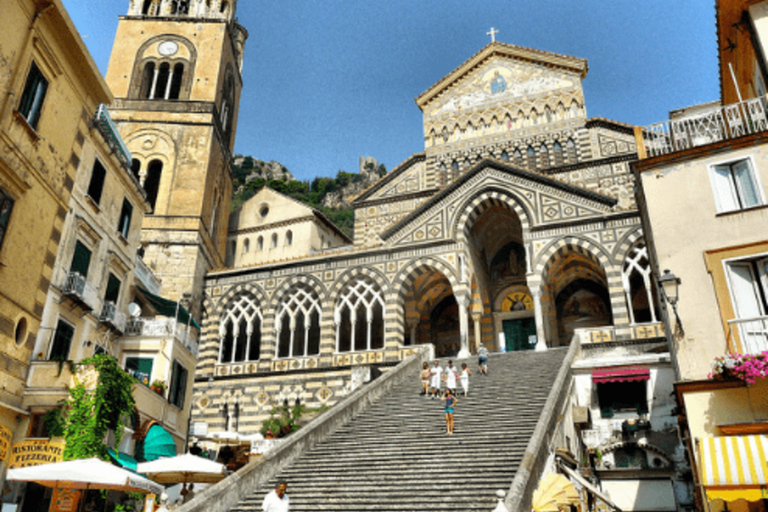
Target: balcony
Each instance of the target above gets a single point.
(720, 124)
(160, 327)
(752, 332)
(112, 317)
(76, 288)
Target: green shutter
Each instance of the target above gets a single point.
(62, 341)
(81, 260)
(113, 289)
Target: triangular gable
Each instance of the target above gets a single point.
(280, 208)
(522, 72)
(408, 178)
(546, 201)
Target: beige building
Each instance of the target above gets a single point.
(272, 227)
(703, 182)
(52, 89)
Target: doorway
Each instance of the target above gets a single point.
(518, 332)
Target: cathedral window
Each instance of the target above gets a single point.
(289, 238)
(548, 114)
(224, 7)
(152, 181)
(246, 245)
(260, 243)
(557, 152)
(227, 103)
(517, 157)
(574, 111)
(505, 156)
(274, 240)
(162, 82)
(135, 167)
(543, 157)
(638, 290)
(148, 8)
(454, 169)
(531, 158)
(359, 317)
(240, 331)
(570, 150)
(298, 323)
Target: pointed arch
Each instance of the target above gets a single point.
(543, 156)
(240, 329)
(557, 153)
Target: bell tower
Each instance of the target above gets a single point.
(175, 72)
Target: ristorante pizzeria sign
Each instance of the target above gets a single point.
(34, 452)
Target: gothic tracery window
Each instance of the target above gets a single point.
(570, 149)
(240, 331)
(557, 152)
(543, 156)
(359, 317)
(531, 157)
(298, 323)
(638, 289)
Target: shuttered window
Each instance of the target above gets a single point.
(6, 206)
(62, 341)
(178, 385)
(96, 186)
(81, 260)
(113, 289)
(33, 96)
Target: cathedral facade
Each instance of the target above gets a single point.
(516, 227)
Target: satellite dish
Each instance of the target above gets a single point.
(134, 310)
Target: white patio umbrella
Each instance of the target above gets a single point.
(183, 469)
(84, 474)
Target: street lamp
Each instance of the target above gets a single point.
(669, 284)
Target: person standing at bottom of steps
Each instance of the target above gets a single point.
(482, 359)
(437, 377)
(464, 378)
(276, 500)
(450, 402)
(425, 373)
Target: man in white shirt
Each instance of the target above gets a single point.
(276, 501)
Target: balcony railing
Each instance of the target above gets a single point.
(110, 315)
(76, 287)
(752, 332)
(161, 327)
(724, 123)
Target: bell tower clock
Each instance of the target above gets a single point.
(175, 71)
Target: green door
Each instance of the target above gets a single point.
(517, 332)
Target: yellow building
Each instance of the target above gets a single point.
(51, 90)
(703, 190)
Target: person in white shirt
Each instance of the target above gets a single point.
(276, 501)
(437, 377)
(464, 379)
(450, 377)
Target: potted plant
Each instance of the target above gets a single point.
(271, 427)
(158, 386)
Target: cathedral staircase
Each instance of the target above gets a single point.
(396, 456)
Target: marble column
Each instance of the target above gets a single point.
(541, 342)
(463, 302)
(476, 318)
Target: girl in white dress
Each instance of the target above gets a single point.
(464, 378)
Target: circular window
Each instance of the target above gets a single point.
(21, 331)
(264, 211)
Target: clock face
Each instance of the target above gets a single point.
(517, 302)
(168, 48)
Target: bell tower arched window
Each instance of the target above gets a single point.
(152, 181)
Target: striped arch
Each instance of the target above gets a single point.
(304, 279)
(218, 308)
(471, 210)
(629, 240)
(418, 267)
(355, 273)
(542, 262)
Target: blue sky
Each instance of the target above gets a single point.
(326, 82)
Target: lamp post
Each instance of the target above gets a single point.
(669, 285)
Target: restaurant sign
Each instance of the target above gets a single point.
(34, 452)
(5, 442)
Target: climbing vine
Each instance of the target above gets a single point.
(90, 413)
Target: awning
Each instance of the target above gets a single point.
(554, 493)
(620, 374)
(647, 495)
(158, 443)
(170, 308)
(734, 467)
(123, 459)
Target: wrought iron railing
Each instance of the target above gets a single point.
(162, 327)
(724, 123)
(75, 285)
(752, 332)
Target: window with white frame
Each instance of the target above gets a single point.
(359, 317)
(735, 185)
(240, 331)
(748, 282)
(298, 323)
(32, 98)
(638, 288)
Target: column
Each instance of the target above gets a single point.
(414, 326)
(541, 342)
(476, 318)
(463, 302)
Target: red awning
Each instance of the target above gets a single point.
(621, 374)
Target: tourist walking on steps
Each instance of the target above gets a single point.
(482, 359)
(277, 501)
(464, 379)
(437, 374)
(450, 377)
(425, 373)
(450, 402)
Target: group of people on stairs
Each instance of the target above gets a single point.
(434, 378)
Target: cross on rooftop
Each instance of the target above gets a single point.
(492, 33)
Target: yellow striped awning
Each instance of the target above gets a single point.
(734, 467)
